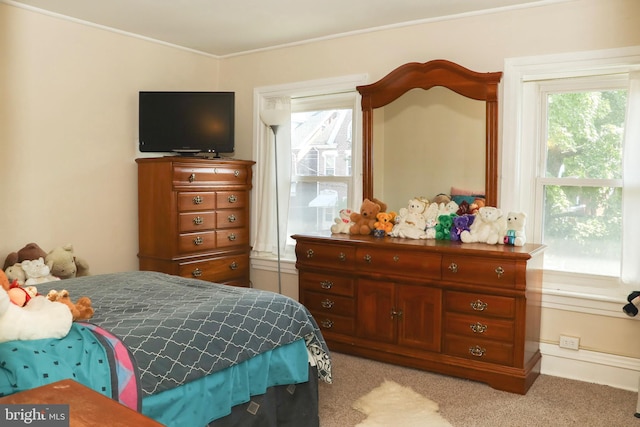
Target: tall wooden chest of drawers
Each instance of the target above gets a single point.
(465, 309)
(193, 217)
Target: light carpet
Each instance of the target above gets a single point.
(391, 404)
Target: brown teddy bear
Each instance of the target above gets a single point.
(81, 310)
(364, 221)
(30, 252)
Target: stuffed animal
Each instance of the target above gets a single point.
(363, 221)
(30, 252)
(81, 310)
(410, 221)
(16, 273)
(443, 229)
(39, 319)
(64, 264)
(441, 198)
(385, 221)
(17, 294)
(515, 234)
(431, 216)
(489, 227)
(343, 222)
(460, 223)
(448, 208)
(36, 272)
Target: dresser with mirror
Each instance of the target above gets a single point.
(469, 310)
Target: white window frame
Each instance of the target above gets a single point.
(521, 159)
(302, 89)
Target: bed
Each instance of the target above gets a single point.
(182, 351)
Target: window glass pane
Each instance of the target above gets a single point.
(313, 134)
(314, 206)
(583, 229)
(585, 134)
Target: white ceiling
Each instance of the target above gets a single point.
(227, 27)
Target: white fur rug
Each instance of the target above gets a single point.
(391, 405)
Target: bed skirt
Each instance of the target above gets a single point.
(281, 406)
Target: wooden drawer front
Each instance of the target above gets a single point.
(231, 199)
(334, 256)
(330, 323)
(419, 265)
(477, 326)
(196, 242)
(482, 271)
(230, 218)
(328, 304)
(217, 270)
(480, 304)
(197, 176)
(202, 201)
(479, 349)
(327, 283)
(194, 221)
(232, 237)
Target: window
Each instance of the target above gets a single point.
(321, 143)
(568, 142)
(579, 183)
(317, 150)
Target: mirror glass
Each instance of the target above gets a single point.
(428, 128)
(431, 141)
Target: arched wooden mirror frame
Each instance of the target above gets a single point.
(471, 84)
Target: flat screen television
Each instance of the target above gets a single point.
(186, 123)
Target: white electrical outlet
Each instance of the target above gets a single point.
(572, 343)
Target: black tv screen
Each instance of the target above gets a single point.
(186, 122)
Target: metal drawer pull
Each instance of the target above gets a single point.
(342, 257)
(198, 241)
(231, 218)
(233, 265)
(192, 177)
(367, 259)
(453, 267)
(231, 237)
(477, 351)
(326, 323)
(232, 198)
(309, 253)
(478, 305)
(478, 328)
(198, 220)
(196, 273)
(197, 200)
(326, 284)
(396, 313)
(236, 173)
(327, 304)
(499, 272)
(396, 258)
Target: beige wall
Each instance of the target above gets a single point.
(68, 132)
(68, 116)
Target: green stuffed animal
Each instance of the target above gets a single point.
(443, 229)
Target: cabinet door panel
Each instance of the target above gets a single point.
(420, 323)
(375, 304)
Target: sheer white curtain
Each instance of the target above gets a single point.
(266, 242)
(631, 187)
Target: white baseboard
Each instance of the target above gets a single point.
(590, 366)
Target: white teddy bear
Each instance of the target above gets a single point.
(411, 222)
(515, 234)
(432, 220)
(488, 227)
(448, 208)
(343, 222)
(37, 272)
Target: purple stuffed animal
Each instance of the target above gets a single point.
(460, 224)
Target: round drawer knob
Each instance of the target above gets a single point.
(231, 237)
(310, 253)
(233, 266)
(453, 267)
(231, 218)
(232, 198)
(499, 272)
(192, 177)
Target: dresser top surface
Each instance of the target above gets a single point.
(431, 245)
